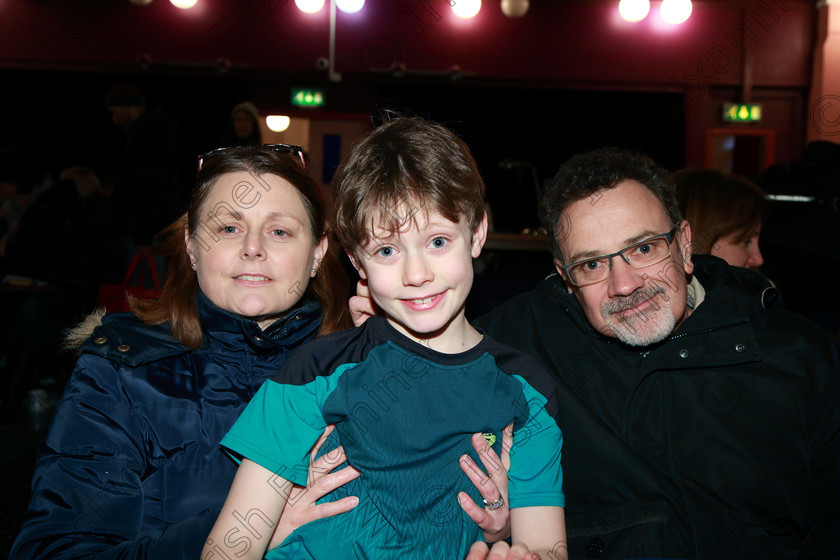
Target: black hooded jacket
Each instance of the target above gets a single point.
(720, 442)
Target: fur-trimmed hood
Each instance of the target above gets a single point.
(75, 336)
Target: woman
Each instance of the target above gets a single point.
(243, 129)
(725, 214)
(132, 466)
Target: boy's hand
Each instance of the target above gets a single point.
(361, 305)
(301, 507)
(501, 551)
(495, 523)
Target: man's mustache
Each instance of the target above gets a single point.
(622, 303)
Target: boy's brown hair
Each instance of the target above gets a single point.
(406, 165)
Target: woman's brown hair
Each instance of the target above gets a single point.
(176, 305)
(717, 205)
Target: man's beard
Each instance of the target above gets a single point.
(640, 328)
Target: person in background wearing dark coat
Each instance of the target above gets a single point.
(45, 285)
(147, 187)
(804, 204)
(24, 176)
(58, 233)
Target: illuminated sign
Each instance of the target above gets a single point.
(743, 112)
(307, 97)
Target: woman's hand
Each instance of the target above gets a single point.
(361, 305)
(301, 508)
(501, 551)
(492, 486)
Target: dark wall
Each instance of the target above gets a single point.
(63, 115)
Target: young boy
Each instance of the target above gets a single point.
(407, 390)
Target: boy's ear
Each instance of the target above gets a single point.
(479, 237)
(359, 268)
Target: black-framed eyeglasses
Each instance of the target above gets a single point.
(280, 148)
(641, 254)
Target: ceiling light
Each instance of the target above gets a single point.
(466, 8)
(349, 6)
(634, 10)
(277, 123)
(675, 11)
(309, 6)
(183, 4)
(515, 8)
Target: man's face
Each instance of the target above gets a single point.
(639, 306)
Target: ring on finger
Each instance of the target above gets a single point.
(496, 504)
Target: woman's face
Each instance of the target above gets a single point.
(740, 250)
(243, 124)
(254, 250)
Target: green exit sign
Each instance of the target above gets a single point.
(307, 97)
(742, 112)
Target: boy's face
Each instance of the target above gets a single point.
(421, 275)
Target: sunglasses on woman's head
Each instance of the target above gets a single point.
(279, 148)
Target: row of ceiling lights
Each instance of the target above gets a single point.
(461, 8)
(672, 11)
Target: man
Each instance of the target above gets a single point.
(147, 189)
(703, 419)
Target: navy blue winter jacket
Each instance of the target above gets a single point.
(132, 466)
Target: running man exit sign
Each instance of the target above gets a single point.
(307, 97)
(742, 112)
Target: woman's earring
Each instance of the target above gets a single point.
(192, 264)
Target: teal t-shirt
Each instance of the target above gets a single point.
(405, 414)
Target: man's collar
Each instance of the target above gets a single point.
(695, 294)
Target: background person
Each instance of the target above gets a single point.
(146, 188)
(42, 280)
(813, 183)
(24, 176)
(725, 213)
(243, 128)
